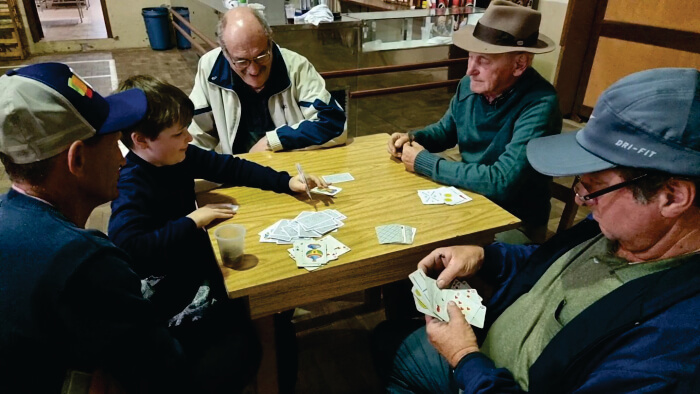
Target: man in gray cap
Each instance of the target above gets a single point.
(68, 299)
(611, 305)
(499, 106)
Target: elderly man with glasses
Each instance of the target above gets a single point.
(611, 305)
(251, 95)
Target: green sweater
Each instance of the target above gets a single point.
(492, 140)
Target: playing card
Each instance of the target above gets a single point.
(337, 178)
(310, 253)
(452, 196)
(334, 248)
(392, 233)
(422, 304)
(430, 197)
(418, 278)
(435, 300)
(329, 190)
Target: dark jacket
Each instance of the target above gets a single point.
(68, 299)
(149, 220)
(642, 337)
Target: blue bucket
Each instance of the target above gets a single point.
(157, 20)
(182, 42)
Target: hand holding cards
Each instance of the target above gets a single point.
(432, 301)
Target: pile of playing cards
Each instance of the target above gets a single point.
(443, 195)
(314, 254)
(395, 234)
(432, 301)
(306, 225)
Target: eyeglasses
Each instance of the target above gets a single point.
(259, 60)
(577, 187)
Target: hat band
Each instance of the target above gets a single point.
(502, 38)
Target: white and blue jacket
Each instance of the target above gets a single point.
(303, 111)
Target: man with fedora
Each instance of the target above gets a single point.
(68, 299)
(613, 304)
(500, 105)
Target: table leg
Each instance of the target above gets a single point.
(267, 380)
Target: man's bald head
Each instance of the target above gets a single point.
(242, 24)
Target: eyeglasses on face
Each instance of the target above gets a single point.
(259, 60)
(587, 197)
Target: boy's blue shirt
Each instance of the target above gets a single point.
(149, 219)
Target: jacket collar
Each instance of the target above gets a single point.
(223, 75)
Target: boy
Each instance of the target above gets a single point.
(155, 219)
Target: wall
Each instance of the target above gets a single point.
(553, 14)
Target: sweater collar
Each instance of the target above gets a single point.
(223, 75)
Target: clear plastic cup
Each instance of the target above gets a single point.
(231, 240)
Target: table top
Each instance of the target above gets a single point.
(383, 192)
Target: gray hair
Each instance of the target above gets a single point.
(223, 22)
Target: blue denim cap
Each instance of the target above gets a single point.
(45, 107)
(650, 119)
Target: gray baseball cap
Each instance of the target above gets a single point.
(45, 107)
(650, 119)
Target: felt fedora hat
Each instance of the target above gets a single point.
(505, 27)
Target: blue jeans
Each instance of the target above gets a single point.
(419, 368)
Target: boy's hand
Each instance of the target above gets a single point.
(208, 213)
(297, 185)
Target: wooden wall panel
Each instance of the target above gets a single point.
(670, 14)
(615, 59)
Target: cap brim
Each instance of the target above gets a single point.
(126, 109)
(464, 38)
(561, 155)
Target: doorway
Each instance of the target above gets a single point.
(60, 20)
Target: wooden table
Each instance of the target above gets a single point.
(383, 192)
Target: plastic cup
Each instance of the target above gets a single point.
(231, 240)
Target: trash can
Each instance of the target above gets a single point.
(157, 20)
(182, 42)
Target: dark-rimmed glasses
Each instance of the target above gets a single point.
(259, 60)
(590, 196)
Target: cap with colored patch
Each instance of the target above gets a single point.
(46, 107)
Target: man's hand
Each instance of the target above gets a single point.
(395, 144)
(409, 152)
(297, 184)
(454, 339)
(260, 146)
(452, 262)
(208, 213)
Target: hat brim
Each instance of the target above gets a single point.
(561, 155)
(126, 109)
(464, 38)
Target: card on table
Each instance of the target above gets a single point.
(328, 191)
(338, 178)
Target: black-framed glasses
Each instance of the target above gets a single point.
(259, 60)
(590, 196)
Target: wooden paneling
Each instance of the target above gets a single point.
(670, 14)
(615, 59)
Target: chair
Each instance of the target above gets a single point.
(567, 196)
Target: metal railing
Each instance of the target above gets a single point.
(355, 72)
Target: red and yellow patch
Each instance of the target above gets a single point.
(79, 86)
